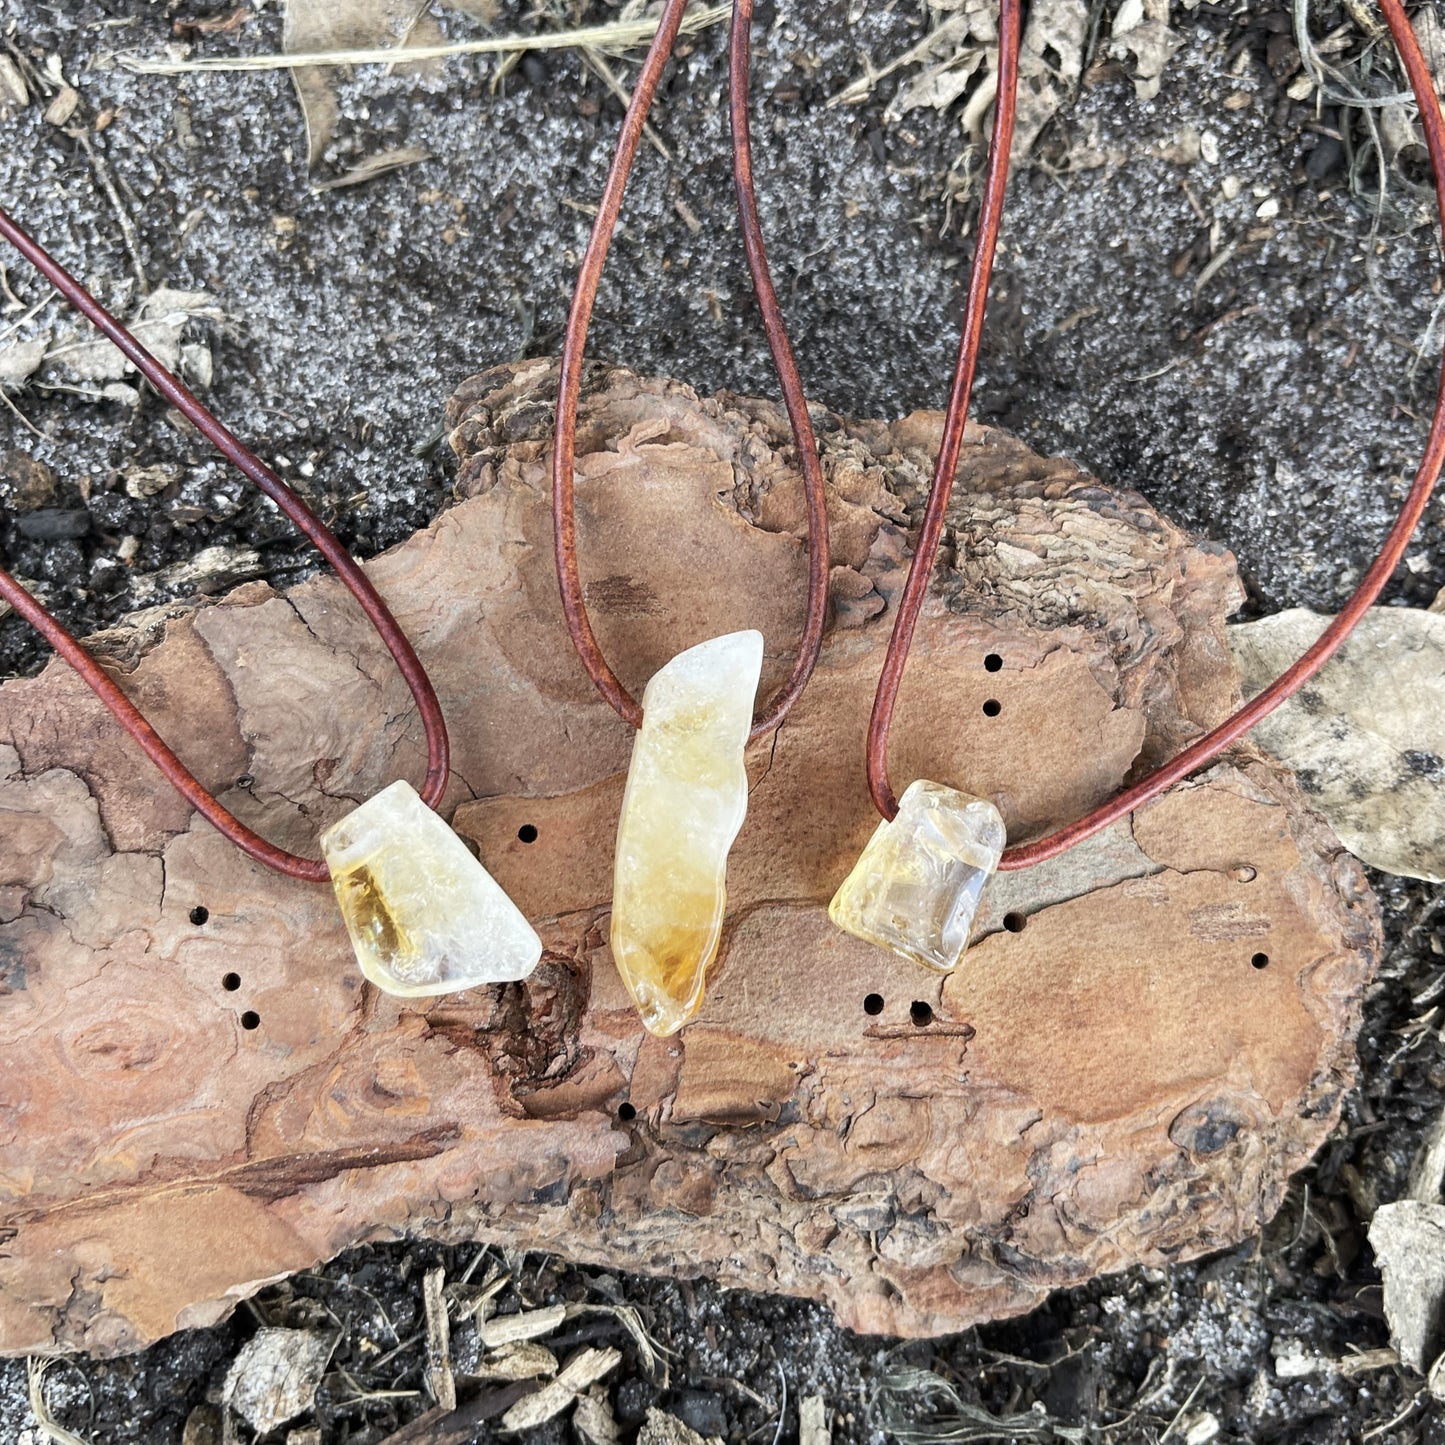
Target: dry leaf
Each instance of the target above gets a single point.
(276, 1376)
(1367, 736)
(1141, 28)
(160, 322)
(1051, 60)
(377, 165)
(20, 360)
(313, 25)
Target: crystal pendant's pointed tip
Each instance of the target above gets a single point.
(917, 884)
(424, 916)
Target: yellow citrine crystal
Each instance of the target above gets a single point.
(916, 887)
(686, 798)
(424, 916)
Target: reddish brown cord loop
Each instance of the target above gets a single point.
(910, 604)
(1197, 754)
(124, 711)
(573, 348)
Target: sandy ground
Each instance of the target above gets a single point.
(1275, 402)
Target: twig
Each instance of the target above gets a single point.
(593, 59)
(127, 226)
(45, 1422)
(622, 35)
(23, 419)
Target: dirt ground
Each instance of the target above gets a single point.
(1275, 401)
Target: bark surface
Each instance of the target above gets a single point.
(198, 1093)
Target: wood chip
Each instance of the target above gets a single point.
(526, 1360)
(593, 1418)
(439, 1378)
(813, 1422)
(13, 90)
(529, 1325)
(582, 1371)
(62, 107)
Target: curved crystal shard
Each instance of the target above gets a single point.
(686, 798)
(424, 916)
(916, 886)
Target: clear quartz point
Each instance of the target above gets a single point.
(916, 886)
(424, 916)
(686, 798)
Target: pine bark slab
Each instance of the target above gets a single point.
(199, 1094)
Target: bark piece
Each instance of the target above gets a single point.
(1408, 1238)
(1111, 1077)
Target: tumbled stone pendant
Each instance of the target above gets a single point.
(686, 798)
(424, 916)
(916, 886)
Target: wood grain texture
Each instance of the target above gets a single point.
(1108, 1079)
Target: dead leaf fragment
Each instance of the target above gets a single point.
(160, 322)
(1141, 28)
(317, 25)
(377, 165)
(276, 1376)
(581, 1372)
(20, 360)
(1367, 735)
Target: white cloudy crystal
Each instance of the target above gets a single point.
(424, 916)
(686, 798)
(917, 884)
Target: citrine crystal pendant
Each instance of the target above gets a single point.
(686, 798)
(424, 916)
(916, 886)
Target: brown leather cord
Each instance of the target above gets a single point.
(570, 381)
(105, 688)
(1208, 747)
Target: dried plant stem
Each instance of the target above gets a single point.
(621, 35)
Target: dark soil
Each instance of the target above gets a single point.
(1278, 407)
